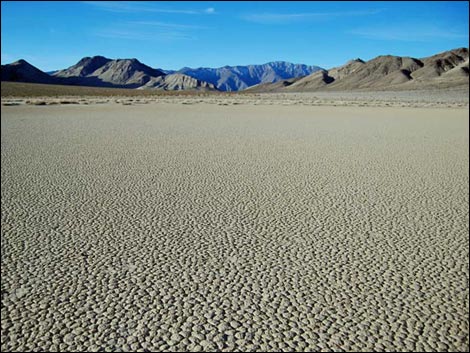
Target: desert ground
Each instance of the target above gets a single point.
(302, 222)
(16, 93)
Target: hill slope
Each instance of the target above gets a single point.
(443, 70)
(103, 72)
(178, 82)
(22, 71)
(99, 71)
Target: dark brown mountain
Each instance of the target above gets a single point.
(22, 71)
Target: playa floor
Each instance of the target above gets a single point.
(234, 228)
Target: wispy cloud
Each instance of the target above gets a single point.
(282, 18)
(409, 33)
(140, 7)
(142, 36)
(167, 25)
(150, 31)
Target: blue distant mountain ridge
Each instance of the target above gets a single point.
(237, 78)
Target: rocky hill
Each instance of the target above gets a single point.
(22, 71)
(386, 72)
(99, 71)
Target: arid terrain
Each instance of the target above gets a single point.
(325, 221)
(17, 93)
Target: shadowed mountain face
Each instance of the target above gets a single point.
(447, 69)
(235, 78)
(22, 71)
(450, 63)
(84, 67)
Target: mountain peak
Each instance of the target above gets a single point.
(21, 62)
(99, 57)
(356, 60)
(22, 71)
(132, 60)
(93, 58)
(101, 71)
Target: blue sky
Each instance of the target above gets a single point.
(171, 35)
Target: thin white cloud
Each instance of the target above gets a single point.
(143, 36)
(149, 31)
(167, 25)
(282, 18)
(409, 33)
(146, 31)
(139, 7)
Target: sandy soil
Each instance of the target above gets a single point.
(251, 228)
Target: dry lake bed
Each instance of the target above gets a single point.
(235, 227)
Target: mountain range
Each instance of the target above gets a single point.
(443, 70)
(447, 69)
(237, 78)
(99, 71)
(126, 73)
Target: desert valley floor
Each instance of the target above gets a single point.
(249, 227)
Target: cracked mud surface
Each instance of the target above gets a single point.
(241, 228)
